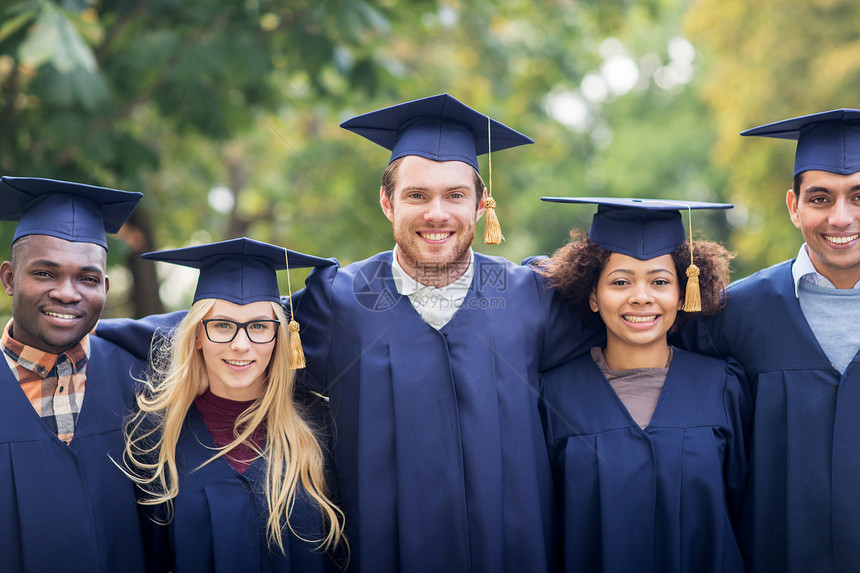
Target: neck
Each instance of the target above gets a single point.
(39, 344)
(432, 273)
(623, 357)
(840, 278)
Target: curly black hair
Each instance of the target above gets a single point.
(575, 268)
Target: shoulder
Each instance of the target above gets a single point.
(766, 280)
(101, 349)
(535, 261)
(500, 274)
(382, 259)
(723, 374)
(571, 372)
(700, 362)
(482, 259)
(338, 272)
(109, 359)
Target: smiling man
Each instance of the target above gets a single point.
(430, 354)
(63, 394)
(793, 326)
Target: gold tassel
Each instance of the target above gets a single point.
(693, 299)
(493, 231)
(297, 355)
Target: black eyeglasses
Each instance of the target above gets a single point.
(222, 330)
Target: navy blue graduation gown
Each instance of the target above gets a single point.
(68, 507)
(219, 520)
(805, 498)
(438, 443)
(663, 499)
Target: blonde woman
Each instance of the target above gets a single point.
(221, 446)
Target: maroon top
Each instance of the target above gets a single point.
(219, 415)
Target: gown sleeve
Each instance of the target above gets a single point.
(697, 336)
(565, 336)
(136, 335)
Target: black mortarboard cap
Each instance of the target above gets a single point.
(240, 271)
(439, 127)
(826, 141)
(640, 228)
(71, 211)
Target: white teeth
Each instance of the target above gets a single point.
(841, 240)
(239, 362)
(639, 318)
(434, 236)
(60, 315)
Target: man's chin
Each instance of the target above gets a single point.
(57, 343)
(436, 264)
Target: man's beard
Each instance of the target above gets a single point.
(434, 272)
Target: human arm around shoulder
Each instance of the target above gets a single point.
(696, 335)
(135, 335)
(565, 334)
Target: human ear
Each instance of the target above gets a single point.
(482, 205)
(592, 301)
(7, 277)
(385, 203)
(791, 203)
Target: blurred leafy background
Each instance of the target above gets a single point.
(225, 114)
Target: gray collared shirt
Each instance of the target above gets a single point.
(803, 269)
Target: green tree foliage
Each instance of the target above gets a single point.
(224, 114)
(123, 94)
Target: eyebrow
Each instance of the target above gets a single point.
(651, 272)
(258, 317)
(420, 188)
(56, 265)
(43, 263)
(828, 190)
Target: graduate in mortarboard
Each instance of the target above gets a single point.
(647, 441)
(64, 506)
(430, 354)
(221, 443)
(793, 327)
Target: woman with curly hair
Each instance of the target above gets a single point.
(221, 445)
(647, 441)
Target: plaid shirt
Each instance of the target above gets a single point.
(53, 383)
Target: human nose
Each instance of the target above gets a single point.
(241, 340)
(843, 213)
(436, 211)
(66, 291)
(641, 294)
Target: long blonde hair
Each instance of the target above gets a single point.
(178, 377)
